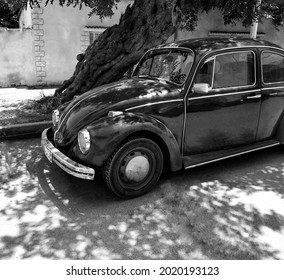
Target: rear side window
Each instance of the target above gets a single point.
(272, 67)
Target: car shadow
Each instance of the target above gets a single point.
(84, 197)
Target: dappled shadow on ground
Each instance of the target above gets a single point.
(48, 214)
(231, 210)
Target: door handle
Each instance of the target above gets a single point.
(253, 97)
(273, 94)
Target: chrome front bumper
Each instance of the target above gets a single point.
(68, 165)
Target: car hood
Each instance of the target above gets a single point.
(97, 102)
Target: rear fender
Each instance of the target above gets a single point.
(280, 131)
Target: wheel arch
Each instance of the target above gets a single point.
(280, 131)
(161, 143)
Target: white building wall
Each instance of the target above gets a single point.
(17, 65)
(65, 35)
(44, 49)
(213, 21)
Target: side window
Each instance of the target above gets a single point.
(272, 67)
(234, 70)
(204, 75)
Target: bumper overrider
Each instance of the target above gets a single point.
(68, 165)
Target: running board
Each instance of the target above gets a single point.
(205, 158)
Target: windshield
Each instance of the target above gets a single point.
(172, 65)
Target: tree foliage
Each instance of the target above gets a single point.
(233, 11)
(187, 10)
(8, 15)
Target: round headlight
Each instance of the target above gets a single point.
(84, 141)
(55, 117)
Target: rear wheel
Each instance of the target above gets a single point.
(134, 167)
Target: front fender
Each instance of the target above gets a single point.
(108, 133)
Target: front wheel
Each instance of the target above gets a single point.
(134, 167)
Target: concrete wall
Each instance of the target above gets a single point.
(65, 36)
(272, 34)
(213, 21)
(44, 50)
(17, 66)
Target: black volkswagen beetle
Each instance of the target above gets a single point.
(187, 103)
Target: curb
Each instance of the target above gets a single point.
(20, 131)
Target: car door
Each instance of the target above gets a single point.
(272, 75)
(225, 115)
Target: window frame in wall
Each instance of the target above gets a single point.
(91, 33)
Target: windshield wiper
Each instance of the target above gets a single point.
(148, 77)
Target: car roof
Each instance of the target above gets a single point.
(202, 45)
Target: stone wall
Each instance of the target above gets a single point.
(39, 44)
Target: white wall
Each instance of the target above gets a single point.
(17, 65)
(213, 21)
(65, 37)
(44, 49)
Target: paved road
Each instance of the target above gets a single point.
(228, 210)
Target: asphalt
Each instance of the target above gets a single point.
(9, 96)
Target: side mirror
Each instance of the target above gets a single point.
(201, 88)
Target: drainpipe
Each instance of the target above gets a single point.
(254, 26)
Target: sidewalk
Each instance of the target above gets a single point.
(17, 117)
(12, 95)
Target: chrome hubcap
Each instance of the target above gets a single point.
(137, 168)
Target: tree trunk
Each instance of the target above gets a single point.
(145, 24)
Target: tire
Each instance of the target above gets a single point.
(134, 167)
